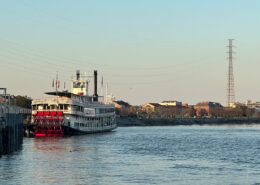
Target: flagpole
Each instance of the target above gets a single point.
(57, 86)
(56, 82)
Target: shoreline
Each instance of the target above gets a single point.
(130, 121)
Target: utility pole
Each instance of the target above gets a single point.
(230, 88)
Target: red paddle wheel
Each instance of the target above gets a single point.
(48, 123)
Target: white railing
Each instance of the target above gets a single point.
(63, 100)
(14, 110)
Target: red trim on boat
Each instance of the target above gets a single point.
(48, 123)
(38, 135)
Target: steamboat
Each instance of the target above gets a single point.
(72, 113)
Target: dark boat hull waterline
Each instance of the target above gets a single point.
(68, 131)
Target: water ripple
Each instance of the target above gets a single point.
(140, 155)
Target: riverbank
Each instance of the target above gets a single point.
(128, 121)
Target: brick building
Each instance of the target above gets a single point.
(205, 108)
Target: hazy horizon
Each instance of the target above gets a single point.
(146, 51)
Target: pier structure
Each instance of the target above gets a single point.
(11, 124)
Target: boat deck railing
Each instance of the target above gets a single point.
(52, 100)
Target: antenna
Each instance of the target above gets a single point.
(230, 88)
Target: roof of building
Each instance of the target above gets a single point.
(210, 104)
(154, 104)
(171, 101)
(122, 103)
(162, 106)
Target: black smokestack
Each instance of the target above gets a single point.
(95, 86)
(78, 74)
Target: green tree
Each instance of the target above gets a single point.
(22, 101)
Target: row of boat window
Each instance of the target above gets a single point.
(80, 84)
(67, 107)
(94, 118)
(100, 124)
(57, 107)
(51, 107)
(81, 98)
(106, 110)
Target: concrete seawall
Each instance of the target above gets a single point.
(134, 121)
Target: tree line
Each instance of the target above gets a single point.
(189, 112)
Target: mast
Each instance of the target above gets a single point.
(57, 86)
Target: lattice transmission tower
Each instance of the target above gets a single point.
(230, 88)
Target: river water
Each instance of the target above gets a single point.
(140, 155)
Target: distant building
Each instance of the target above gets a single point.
(171, 103)
(163, 111)
(235, 105)
(110, 98)
(250, 104)
(151, 107)
(205, 108)
(120, 104)
(247, 103)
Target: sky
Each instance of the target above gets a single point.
(146, 50)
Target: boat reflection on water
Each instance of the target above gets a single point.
(63, 153)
